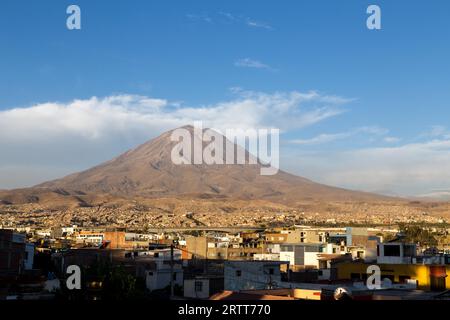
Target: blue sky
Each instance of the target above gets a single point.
(391, 87)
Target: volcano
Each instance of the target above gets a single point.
(148, 171)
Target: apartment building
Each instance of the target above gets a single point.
(222, 249)
(301, 254)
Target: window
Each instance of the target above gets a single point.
(198, 286)
(271, 271)
(355, 276)
(409, 251)
(174, 276)
(238, 273)
(392, 250)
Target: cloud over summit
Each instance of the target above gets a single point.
(83, 132)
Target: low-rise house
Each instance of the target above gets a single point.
(223, 249)
(396, 253)
(160, 273)
(247, 275)
(301, 254)
(306, 236)
(203, 287)
(155, 267)
(90, 238)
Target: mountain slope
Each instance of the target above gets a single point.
(148, 171)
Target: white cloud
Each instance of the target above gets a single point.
(199, 17)
(327, 138)
(229, 18)
(258, 24)
(409, 169)
(438, 130)
(48, 140)
(250, 63)
(322, 138)
(81, 133)
(90, 119)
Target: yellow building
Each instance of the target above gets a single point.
(428, 277)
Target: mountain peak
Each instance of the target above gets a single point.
(148, 171)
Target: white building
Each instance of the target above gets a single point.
(266, 257)
(273, 248)
(90, 238)
(396, 253)
(68, 231)
(43, 233)
(157, 269)
(159, 275)
(301, 254)
(132, 236)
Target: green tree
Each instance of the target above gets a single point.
(417, 234)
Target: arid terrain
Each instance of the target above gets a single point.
(141, 213)
(142, 188)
